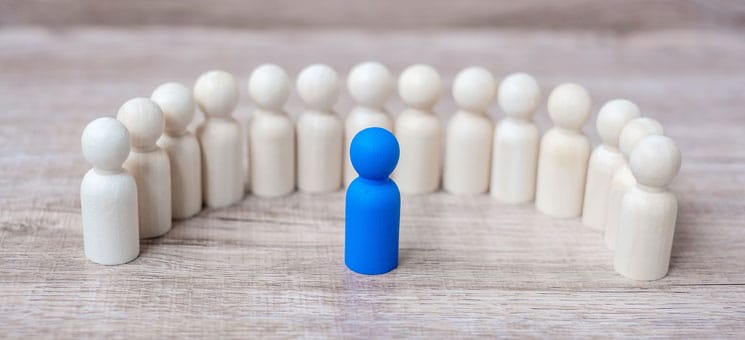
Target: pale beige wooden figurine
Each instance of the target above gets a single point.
(622, 180)
(565, 150)
(320, 135)
(271, 136)
(220, 138)
(108, 195)
(468, 142)
(648, 211)
(515, 155)
(148, 164)
(605, 160)
(419, 131)
(370, 84)
(177, 103)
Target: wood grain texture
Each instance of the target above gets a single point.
(274, 267)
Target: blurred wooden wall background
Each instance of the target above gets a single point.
(610, 15)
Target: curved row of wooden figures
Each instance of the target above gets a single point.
(619, 188)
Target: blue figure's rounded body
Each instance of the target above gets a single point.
(373, 204)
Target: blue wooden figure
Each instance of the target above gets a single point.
(373, 207)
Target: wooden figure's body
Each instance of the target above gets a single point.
(516, 140)
(108, 195)
(605, 160)
(320, 147)
(561, 172)
(109, 213)
(370, 84)
(271, 133)
(565, 150)
(645, 239)
(468, 153)
(177, 103)
(149, 165)
(419, 131)
(468, 142)
(623, 180)
(320, 135)
(515, 161)
(184, 155)
(151, 171)
(220, 138)
(648, 211)
(419, 135)
(272, 152)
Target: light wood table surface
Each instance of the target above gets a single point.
(469, 266)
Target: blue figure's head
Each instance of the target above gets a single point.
(374, 153)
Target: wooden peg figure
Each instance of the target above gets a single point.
(271, 133)
(177, 103)
(148, 164)
(370, 84)
(515, 150)
(623, 180)
(320, 136)
(419, 131)
(373, 204)
(108, 195)
(648, 211)
(220, 138)
(564, 152)
(605, 160)
(468, 144)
